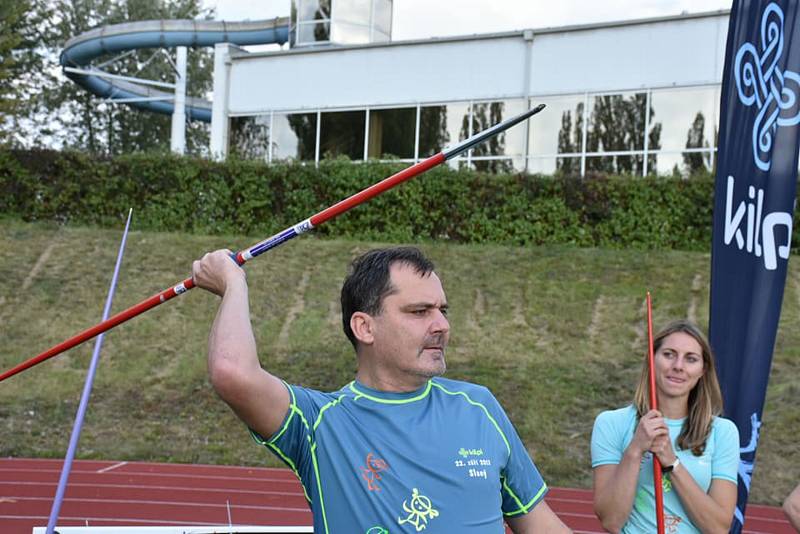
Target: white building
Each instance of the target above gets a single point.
(409, 99)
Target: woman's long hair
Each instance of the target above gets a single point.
(705, 399)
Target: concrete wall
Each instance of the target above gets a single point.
(663, 52)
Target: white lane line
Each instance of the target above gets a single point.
(289, 478)
(109, 520)
(304, 509)
(111, 467)
(82, 463)
(170, 488)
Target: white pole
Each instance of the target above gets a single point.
(219, 108)
(178, 139)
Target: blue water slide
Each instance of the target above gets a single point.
(81, 50)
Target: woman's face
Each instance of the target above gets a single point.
(679, 365)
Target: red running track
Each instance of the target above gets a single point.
(107, 493)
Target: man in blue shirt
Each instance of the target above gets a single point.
(399, 449)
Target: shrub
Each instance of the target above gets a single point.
(185, 194)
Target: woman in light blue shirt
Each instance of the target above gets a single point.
(697, 449)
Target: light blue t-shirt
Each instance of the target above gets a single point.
(613, 432)
(443, 459)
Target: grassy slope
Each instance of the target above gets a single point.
(555, 332)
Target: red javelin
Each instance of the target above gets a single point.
(279, 238)
(659, 490)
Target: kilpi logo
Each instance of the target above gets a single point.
(760, 230)
(470, 452)
(760, 81)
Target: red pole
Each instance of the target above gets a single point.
(659, 490)
(259, 248)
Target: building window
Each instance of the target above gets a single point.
(441, 126)
(342, 134)
(341, 21)
(346, 33)
(508, 143)
(495, 165)
(311, 22)
(318, 32)
(294, 136)
(361, 21)
(664, 131)
(391, 133)
(485, 156)
(249, 137)
(684, 163)
(557, 130)
(616, 126)
(433, 134)
(381, 20)
(545, 165)
(686, 122)
(618, 163)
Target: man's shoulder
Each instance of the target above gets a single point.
(460, 387)
(318, 396)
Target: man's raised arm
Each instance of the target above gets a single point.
(257, 397)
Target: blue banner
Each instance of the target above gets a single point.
(753, 206)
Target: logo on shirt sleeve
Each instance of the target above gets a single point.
(420, 510)
(371, 473)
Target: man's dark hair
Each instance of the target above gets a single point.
(368, 281)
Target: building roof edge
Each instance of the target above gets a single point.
(486, 36)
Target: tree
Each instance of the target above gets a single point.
(11, 18)
(249, 137)
(23, 31)
(616, 124)
(87, 122)
(485, 115)
(570, 141)
(433, 134)
(695, 138)
(134, 129)
(304, 126)
(653, 143)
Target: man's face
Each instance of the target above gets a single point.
(412, 331)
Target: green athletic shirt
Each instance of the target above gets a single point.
(442, 459)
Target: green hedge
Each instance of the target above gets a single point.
(171, 193)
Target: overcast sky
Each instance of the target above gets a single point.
(419, 19)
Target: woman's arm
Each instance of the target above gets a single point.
(614, 488)
(540, 520)
(711, 512)
(791, 507)
(614, 485)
